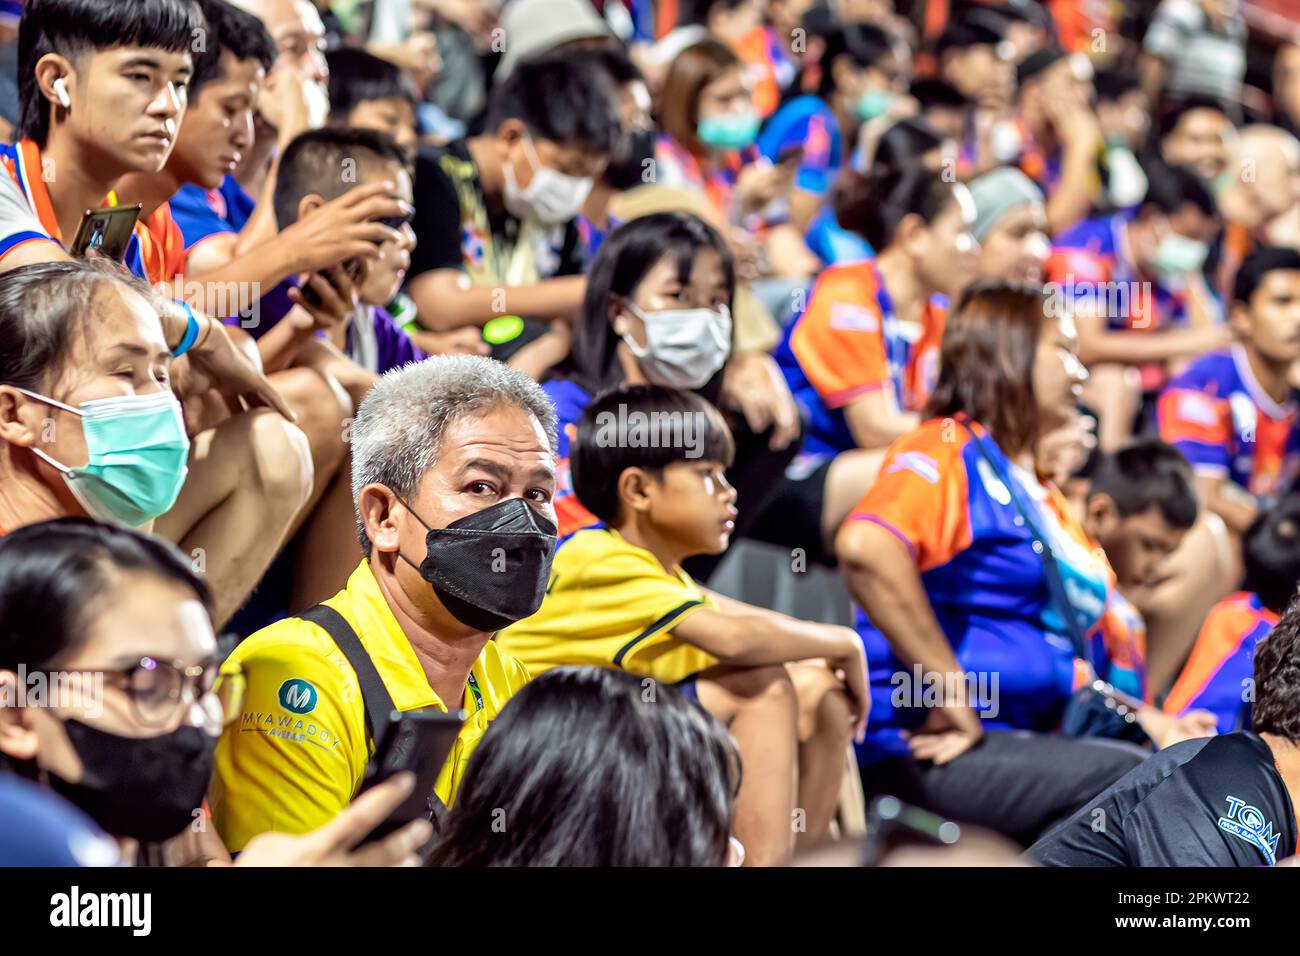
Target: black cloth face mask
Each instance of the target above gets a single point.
(490, 569)
(634, 167)
(146, 788)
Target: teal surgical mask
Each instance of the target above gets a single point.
(874, 103)
(732, 131)
(137, 450)
(1176, 256)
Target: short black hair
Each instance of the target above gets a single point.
(570, 103)
(229, 29)
(1271, 552)
(644, 778)
(1260, 262)
(1146, 473)
(75, 27)
(1173, 111)
(963, 32)
(1115, 81)
(314, 162)
(930, 93)
(1038, 62)
(611, 58)
(54, 573)
(1170, 187)
(359, 77)
(1276, 709)
(863, 43)
(596, 461)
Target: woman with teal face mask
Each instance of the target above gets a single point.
(860, 80)
(708, 127)
(90, 423)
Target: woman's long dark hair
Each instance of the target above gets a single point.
(624, 258)
(986, 362)
(590, 766)
(54, 574)
(872, 205)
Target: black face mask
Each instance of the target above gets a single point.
(146, 788)
(631, 169)
(490, 569)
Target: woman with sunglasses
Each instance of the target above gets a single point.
(109, 695)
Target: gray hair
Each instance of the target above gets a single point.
(399, 428)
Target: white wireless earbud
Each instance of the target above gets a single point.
(61, 91)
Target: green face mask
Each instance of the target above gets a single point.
(1176, 257)
(733, 131)
(874, 103)
(138, 451)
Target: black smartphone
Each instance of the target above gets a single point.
(353, 269)
(107, 230)
(418, 741)
(892, 824)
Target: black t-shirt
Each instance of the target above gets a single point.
(448, 234)
(1216, 801)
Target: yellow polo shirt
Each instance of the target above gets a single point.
(296, 755)
(612, 604)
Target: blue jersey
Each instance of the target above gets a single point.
(955, 513)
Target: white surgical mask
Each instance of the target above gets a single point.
(684, 347)
(551, 198)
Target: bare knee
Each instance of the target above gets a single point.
(822, 700)
(279, 460)
(323, 408)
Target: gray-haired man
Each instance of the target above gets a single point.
(453, 471)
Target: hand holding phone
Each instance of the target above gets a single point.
(107, 231)
(419, 742)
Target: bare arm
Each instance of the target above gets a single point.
(875, 419)
(1098, 344)
(446, 300)
(883, 579)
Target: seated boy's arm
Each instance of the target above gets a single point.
(737, 633)
(447, 299)
(290, 762)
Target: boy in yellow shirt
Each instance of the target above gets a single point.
(650, 462)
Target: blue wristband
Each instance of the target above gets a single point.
(191, 330)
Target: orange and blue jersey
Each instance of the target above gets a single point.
(1217, 414)
(1218, 673)
(1118, 652)
(847, 343)
(1092, 254)
(808, 122)
(954, 513)
(155, 252)
(570, 400)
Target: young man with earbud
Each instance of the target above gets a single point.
(103, 89)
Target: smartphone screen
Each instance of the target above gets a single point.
(107, 231)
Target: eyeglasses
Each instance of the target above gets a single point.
(160, 690)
